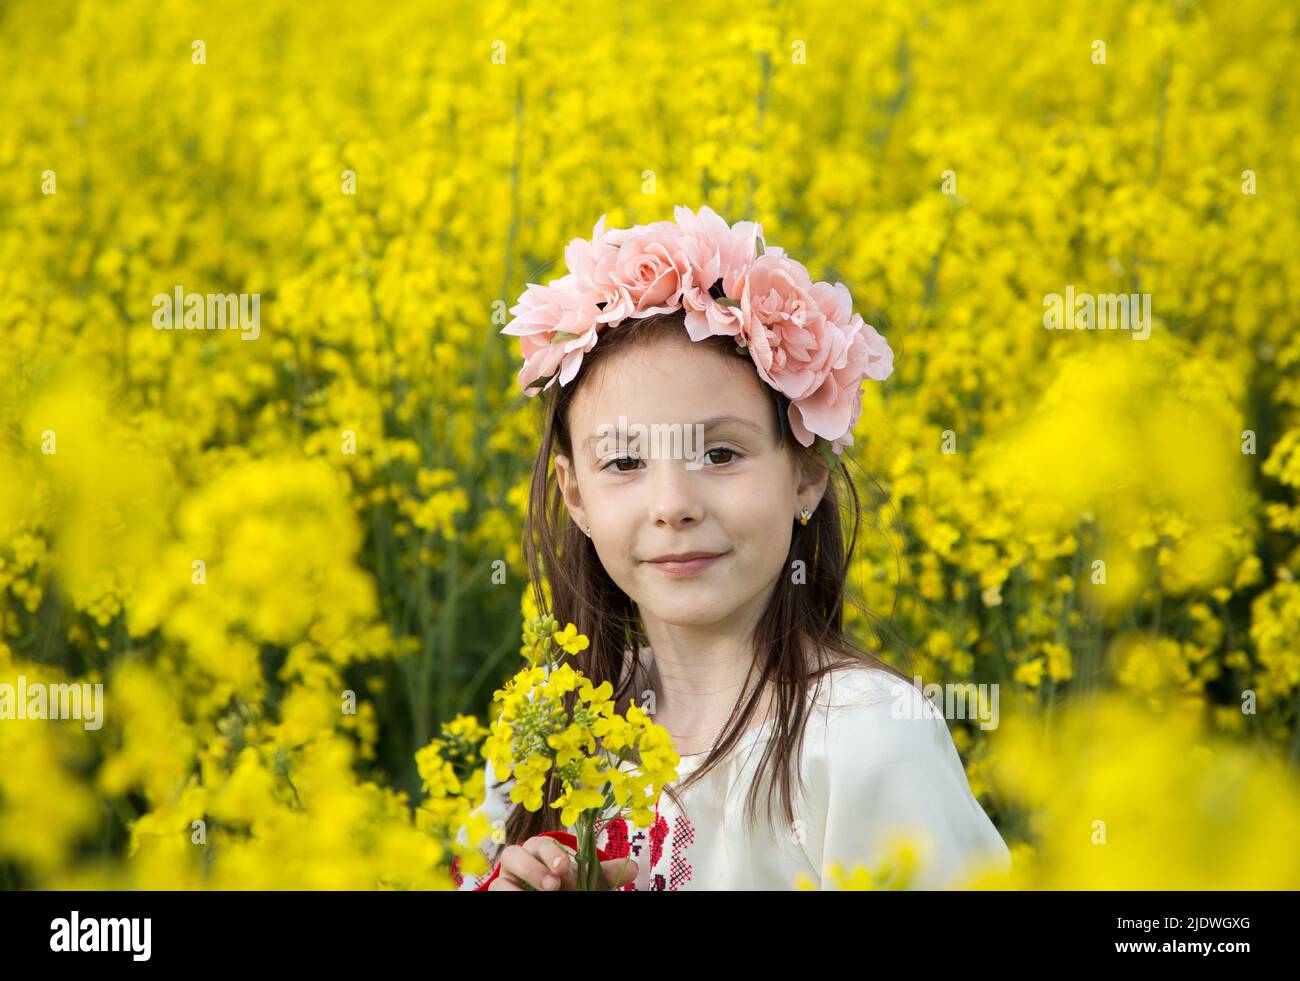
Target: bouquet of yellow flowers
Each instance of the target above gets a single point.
(538, 732)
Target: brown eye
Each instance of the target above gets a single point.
(614, 464)
(721, 449)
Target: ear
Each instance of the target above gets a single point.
(813, 478)
(568, 479)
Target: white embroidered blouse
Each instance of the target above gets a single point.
(877, 758)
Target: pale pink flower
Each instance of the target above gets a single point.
(715, 251)
(631, 272)
(649, 269)
(807, 343)
(544, 312)
(788, 332)
(834, 408)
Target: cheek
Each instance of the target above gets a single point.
(613, 520)
(762, 527)
(757, 506)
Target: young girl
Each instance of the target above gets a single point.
(708, 570)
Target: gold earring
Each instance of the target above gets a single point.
(804, 515)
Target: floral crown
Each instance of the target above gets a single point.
(803, 337)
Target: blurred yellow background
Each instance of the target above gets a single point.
(233, 530)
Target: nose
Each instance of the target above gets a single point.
(675, 498)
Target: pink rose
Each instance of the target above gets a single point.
(835, 407)
(650, 268)
(715, 251)
(807, 343)
(788, 332)
(590, 262)
(634, 272)
(542, 314)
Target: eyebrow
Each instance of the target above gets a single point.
(716, 422)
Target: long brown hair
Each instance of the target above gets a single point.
(799, 636)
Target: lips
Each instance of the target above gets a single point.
(685, 563)
(685, 556)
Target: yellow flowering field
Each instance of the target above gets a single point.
(289, 550)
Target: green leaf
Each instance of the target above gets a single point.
(537, 385)
(562, 335)
(727, 301)
(758, 244)
(828, 454)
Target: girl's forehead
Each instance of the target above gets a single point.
(671, 388)
(741, 418)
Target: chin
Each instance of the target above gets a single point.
(699, 611)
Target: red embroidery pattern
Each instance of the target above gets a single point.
(658, 832)
(621, 838)
(619, 843)
(679, 869)
(616, 842)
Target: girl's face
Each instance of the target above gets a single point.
(734, 493)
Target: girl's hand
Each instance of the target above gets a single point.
(544, 864)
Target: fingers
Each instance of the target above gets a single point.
(543, 864)
(619, 871)
(519, 869)
(539, 863)
(503, 884)
(559, 864)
